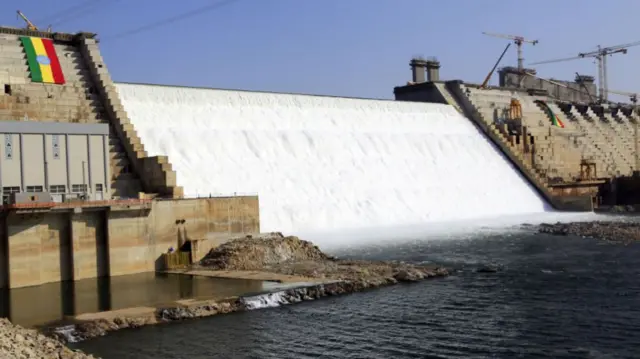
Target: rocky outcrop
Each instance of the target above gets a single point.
(251, 253)
(293, 256)
(623, 232)
(21, 343)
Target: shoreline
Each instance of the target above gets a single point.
(93, 325)
(620, 232)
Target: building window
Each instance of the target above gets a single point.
(57, 188)
(55, 144)
(98, 187)
(7, 89)
(79, 188)
(6, 193)
(35, 189)
(8, 146)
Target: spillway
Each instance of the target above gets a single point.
(325, 163)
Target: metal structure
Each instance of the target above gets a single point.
(486, 80)
(30, 25)
(519, 41)
(601, 58)
(633, 97)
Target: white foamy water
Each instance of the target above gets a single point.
(323, 163)
(262, 301)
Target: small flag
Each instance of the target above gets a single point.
(555, 120)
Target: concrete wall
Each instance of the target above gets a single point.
(88, 96)
(76, 101)
(419, 92)
(567, 90)
(55, 246)
(137, 242)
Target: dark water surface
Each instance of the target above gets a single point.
(50, 303)
(557, 297)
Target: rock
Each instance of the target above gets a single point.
(406, 275)
(489, 268)
(18, 342)
(614, 231)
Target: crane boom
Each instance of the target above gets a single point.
(511, 37)
(518, 40)
(30, 25)
(601, 58)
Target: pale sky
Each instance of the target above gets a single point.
(358, 48)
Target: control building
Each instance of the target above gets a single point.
(53, 162)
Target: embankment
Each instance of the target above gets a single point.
(318, 275)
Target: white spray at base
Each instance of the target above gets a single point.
(323, 163)
(269, 300)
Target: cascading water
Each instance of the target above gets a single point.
(324, 163)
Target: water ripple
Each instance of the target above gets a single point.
(567, 298)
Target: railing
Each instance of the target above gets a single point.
(213, 195)
(75, 204)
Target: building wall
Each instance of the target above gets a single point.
(87, 96)
(76, 101)
(75, 155)
(565, 91)
(55, 246)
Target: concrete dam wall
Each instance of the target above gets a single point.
(323, 163)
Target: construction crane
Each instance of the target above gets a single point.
(519, 41)
(601, 58)
(633, 97)
(30, 25)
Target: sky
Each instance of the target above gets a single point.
(355, 48)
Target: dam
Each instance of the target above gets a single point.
(102, 179)
(320, 162)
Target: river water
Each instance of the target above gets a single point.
(556, 297)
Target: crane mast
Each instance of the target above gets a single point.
(519, 41)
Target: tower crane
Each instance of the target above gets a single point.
(601, 58)
(519, 41)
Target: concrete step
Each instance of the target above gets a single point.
(126, 188)
(120, 162)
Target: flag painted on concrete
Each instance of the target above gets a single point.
(43, 60)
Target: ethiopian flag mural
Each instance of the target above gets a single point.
(43, 61)
(555, 120)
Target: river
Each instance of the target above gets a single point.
(555, 297)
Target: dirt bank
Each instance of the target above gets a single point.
(270, 254)
(20, 343)
(621, 232)
(292, 256)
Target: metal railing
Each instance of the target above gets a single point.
(75, 204)
(213, 195)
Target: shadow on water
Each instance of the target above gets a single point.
(55, 302)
